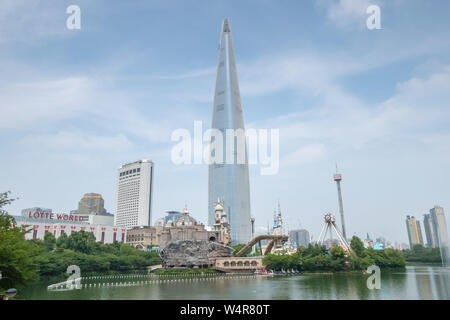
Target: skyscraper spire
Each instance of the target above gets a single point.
(230, 182)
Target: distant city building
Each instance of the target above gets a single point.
(429, 231)
(381, 240)
(91, 203)
(134, 194)
(91, 208)
(299, 238)
(328, 243)
(439, 226)
(401, 246)
(26, 212)
(414, 231)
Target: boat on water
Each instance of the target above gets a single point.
(264, 273)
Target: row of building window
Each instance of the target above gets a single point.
(125, 173)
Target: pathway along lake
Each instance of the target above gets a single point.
(415, 282)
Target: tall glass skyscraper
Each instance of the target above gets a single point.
(229, 182)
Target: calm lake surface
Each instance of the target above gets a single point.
(415, 282)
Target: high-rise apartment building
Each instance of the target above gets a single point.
(429, 231)
(414, 231)
(134, 194)
(439, 226)
(229, 181)
(299, 237)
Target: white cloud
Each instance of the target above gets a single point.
(31, 103)
(43, 103)
(306, 154)
(31, 20)
(419, 104)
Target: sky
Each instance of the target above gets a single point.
(77, 104)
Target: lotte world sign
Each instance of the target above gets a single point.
(54, 216)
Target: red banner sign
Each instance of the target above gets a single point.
(54, 216)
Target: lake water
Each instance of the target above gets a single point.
(415, 282)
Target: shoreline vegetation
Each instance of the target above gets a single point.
(315, 258)
(420, 254)
(81, 249)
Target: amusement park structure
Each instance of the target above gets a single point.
(329, 226)
(273, 240)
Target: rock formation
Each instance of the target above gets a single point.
(188, 253)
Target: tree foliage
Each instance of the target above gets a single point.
(80, 248)
(318, 258)
(357, 247)
(420, 254)
(16, 253)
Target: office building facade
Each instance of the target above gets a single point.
(134, 194)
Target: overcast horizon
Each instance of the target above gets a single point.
(77, 104)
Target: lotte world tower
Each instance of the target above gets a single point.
(229, 182)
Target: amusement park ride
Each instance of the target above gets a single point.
(330, 225)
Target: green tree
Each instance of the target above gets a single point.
(420, 254)
(337, 252)
(79, 241)
(16, 253)
(62, 241)
(49, 241)
(5, 200)
(357, 246)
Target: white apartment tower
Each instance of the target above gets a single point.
(134, 194)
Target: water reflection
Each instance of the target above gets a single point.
(415, 282)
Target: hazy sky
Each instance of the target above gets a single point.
(76, 104)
